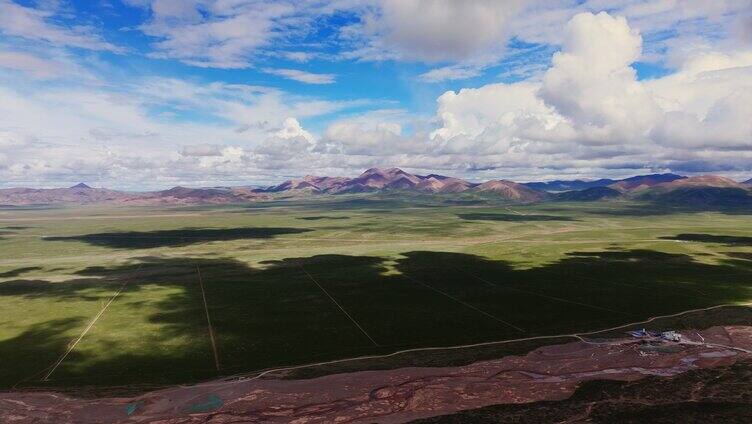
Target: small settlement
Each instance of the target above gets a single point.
(656, 342)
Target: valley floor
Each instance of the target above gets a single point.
(136, 298)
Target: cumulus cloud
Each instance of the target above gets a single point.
(354, 138)
(706, 103)
(588, 111)
(591, 82)
(440, 30)
(97, 134)
(584, 113)
(291, 128)
(464, 38)
(541, 21)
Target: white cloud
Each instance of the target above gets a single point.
(440, 30)
(468, 37)
(111, 136)
(302, 76)
(588, 113)
(299, 56)
(470, 111)
(202, 150)
(591, 82)
(217, 34)
(228, 34)
(451, 72)
(541, 21)
(36, 66)
(707, 102)
(353, 138)
(10, 139)
(33, 24)
(291, 128)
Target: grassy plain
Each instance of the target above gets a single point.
(295, 282)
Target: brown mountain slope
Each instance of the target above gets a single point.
(386, 178)
(701, 191)
(375, 179)
(78, 194)
(310, 182)
(701, 181)
(642, 182)
(441, 184)
(667, 188)
(510, 190)
(81, 194)
(191, 196)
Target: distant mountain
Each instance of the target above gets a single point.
(701, 181)
(670, 189)
(82, 194)
(588, 195)
(308, 183)
(190, 196)
(748, 182)
(371, 180)
(644, 181)
(564, 185)
(441, 184)
(702, 191)
(376, 179)
(511, 191)
(627, 184)
(78, 194)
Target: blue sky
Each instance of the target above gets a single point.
(154, 93)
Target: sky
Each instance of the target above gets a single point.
(150, 94)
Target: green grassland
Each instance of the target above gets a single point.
(301, 281)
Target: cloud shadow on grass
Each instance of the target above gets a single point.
(509, 217)
(278, 314)
(711, 238)
(177, 238)
(18, 271)
(323, 217)
(643, 209)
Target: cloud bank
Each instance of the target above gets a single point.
(583, 112)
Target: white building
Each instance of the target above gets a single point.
(671, 336)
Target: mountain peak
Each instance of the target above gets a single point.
(81, 186)
(383, 171)
(370, 171)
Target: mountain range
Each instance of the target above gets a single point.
(376, 179)
(668, 188)
(83, 194)
(701, 191)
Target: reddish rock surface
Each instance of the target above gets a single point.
(394, 396)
